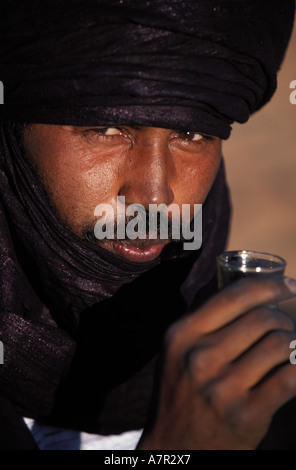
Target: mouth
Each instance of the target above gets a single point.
(139, 251)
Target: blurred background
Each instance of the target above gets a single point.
(260, 159)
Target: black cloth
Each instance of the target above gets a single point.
(14, 434)
(190, 65)
(79, 324)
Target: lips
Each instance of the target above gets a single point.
(137, 250)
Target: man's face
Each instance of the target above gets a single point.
(82, 167)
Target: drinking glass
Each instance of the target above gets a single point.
(239, 264)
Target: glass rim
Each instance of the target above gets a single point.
(224, 261)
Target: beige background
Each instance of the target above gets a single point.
(261, 167)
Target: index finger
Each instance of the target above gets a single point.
(237, 299)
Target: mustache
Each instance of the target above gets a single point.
(144, 220)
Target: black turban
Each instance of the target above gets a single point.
(192, 65)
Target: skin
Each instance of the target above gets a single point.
(215, 392)
(225, 368)
(83, 167)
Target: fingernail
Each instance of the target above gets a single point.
(291, 284)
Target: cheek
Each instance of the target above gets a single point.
(76, 180)
(81, 187)
(195, 176)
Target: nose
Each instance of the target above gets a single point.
(148, 173)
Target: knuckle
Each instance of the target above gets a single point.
(248, 292)
(270, 318)
(240, 290)
(281, 288)
(288, 381)
(212, 393)
(242, 417)
(173, 335)
(197, 361)
(286, 320)
(231, 407)
(275, 288)
(265, 317)
(216, 394)
(278, 341)
(177, 336)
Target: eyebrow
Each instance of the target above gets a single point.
(136, 127)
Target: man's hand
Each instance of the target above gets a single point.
(225, 370)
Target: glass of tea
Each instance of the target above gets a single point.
(240, 264)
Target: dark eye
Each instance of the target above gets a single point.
(107, 131)
(111, 131)
(195, 136)
(105, 136)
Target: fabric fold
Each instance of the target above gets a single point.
(195, 65)
(36, 359)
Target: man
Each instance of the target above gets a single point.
(110, 100)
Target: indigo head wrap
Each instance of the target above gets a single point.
(189, 65)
